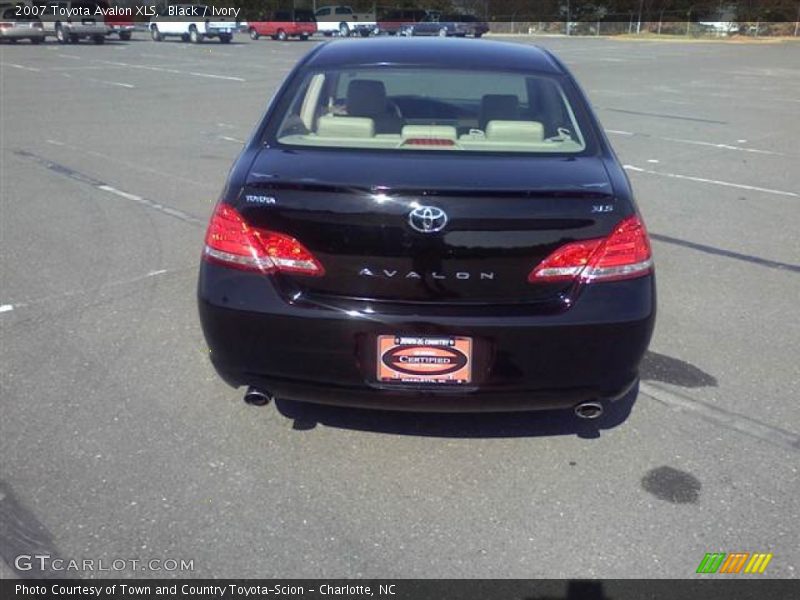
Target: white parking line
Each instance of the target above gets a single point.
(72, 56)
(721, 146)
(696, 142)
(210, 76)
(740, 186)
(175, 71)
(86, 291)
(126, 195)
(129, 165)
(22, 67)
(228, 138)
(117, 83)
(737, 422)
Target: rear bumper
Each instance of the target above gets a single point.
(215, 30)
(327, 355)
(85, 30)
(21, 33)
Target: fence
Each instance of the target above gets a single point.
(632, 26)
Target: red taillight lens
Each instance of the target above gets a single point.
(234, 243)
(624, 254)
(6, 25)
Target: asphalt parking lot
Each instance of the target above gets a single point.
(118, 441)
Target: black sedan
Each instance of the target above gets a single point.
(428, 225)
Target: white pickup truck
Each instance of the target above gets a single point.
(192, 23)
(343, 21)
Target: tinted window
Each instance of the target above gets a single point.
(395, 108)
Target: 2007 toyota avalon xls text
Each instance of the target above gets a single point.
(428, 224)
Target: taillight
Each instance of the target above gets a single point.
(624, 254)
(6, 25)
(234, 243)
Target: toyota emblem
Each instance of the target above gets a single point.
(427, 219)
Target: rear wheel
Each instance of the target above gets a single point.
(194, 35)
(155, 33)
(125, 35)
(99, 39)
(282, 37)
(304, 37)
(225, 38)
(253, 34)
(344, 29)
(443, 32)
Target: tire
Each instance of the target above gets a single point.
(155, 34)
(344, 30)
(303, 37)
(184, 37)
(478, 35)
(225, 38)
(281, 37)
(443, 32)
(194, 35)
(61, 35)
(124, 35)
(365, 33)
(36, 40)
(99, 39)
(327, 33)
(253, 34)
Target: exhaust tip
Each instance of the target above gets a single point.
(256, 397)
(589, 410)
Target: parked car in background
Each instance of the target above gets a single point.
(435, 23)
(393, 21)
(86, 24)
(194, 24)
(343, 21)
(284, 24)
(117, 25)
(15, 25)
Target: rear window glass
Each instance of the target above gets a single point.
(431, 109)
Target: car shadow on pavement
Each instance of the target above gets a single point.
(458, 425)
(659, 367)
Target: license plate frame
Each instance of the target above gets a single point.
(424, 360)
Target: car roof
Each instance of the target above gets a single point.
(435, 52)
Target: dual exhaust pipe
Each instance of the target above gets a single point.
(584, 410)
(256, 397)
(589, 410)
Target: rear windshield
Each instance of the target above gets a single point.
(395, 108)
